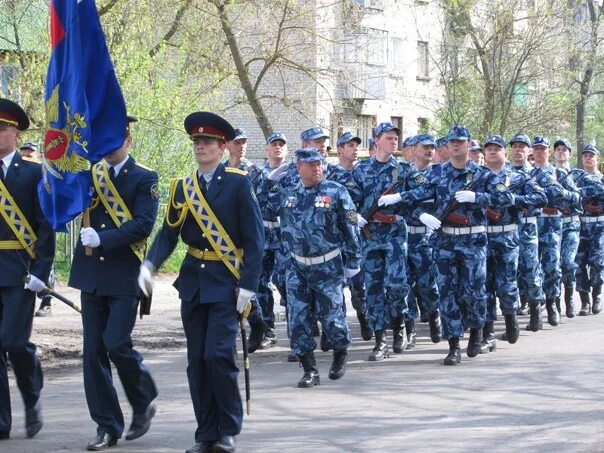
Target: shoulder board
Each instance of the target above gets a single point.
(236, 171)
(143, 166)
(29, 159)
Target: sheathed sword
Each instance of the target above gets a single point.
(56, 295)
(246, 358)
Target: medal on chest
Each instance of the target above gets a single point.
(322, 201)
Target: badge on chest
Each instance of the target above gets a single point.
(322, 201)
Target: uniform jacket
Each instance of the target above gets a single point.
(22, 183)
(113, 268)
(233, 201)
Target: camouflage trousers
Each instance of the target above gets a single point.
(421, 276)
(386, 283)
(590, 256)
(550, 238)
(568, 251)
(316, 290)
(502, 270)
(462, 269)
(264, 302)
(530, 276)
(358, 292)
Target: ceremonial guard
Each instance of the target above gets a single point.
(122, 215)
(27, 247)
(319, 230)
(590, 255)
(215, 212)
(460, 190)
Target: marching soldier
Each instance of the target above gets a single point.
(590, 255)
(27, 247)
(122, 216)
(319, 230)
(237, 149)
(215, 212)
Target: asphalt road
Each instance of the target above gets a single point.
(542, 394)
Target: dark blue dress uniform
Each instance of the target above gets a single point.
(16, 303)
(21, 179)
(110, 297)
(207, 290)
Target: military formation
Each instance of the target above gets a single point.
(438, 236)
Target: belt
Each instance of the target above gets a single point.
(532, 219)
(417, 229)
(502, 228)
(550, 215)
(271, 225)
(464, 230)
(206, 255)
(571, 218)
(592, 219)
(396, 218)
(310, 260)
(11, 245)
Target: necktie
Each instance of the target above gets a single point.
(2, 170)
(203, 185)
(112, 173)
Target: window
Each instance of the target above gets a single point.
(423, 59)
(377, 47)
(398, 123)
(366, 45)
(365, 126)
(396, 52)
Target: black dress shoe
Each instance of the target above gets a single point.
(4, 435)
(141, 422)
(33, 420)
(102, 441)
(202, 447)
(226, 444)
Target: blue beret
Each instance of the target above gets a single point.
(563, 142)
(308, 155)
(385, 127)
(276, 136)
(425, 139)
(410, 141)
(441, 141)
(210, 125)
(314, 133)
(520, 138)
(593, 149)
(348, 137)
(495, 140)
(475, 146)
(539, 140)
(458, 133)
(11, 113)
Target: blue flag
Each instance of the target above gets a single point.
(85, 110)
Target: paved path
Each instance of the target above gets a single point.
(542, 394)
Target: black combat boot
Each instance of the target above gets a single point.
(454, 356)
(311, 372)
(399, 334)
(585, 304)
(553, 317)
(512, 330)
(474, 343)
(559, 306)
(380, 351)
(411, 335)
(325, 344)
(596, 299)
(436, 329)
(489, 343)
(270, 337)
(366, 332)
(535, 323)
(523, 309)
(568, 300)
(254, 341)
(338, 364)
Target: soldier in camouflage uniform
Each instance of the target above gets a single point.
(320, 232)
(590, 256)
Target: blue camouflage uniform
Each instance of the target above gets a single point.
(207, 287)
(320, 233)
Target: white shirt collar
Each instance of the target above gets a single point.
(7, 161)
(118, 167)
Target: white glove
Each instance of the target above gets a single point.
(430, 221)
(465, 196)
(90, 238)
(145, 278)
(34, 284)
(361, 221)
(387, 200)
(349, 273)
(244, 297)
(278, 172)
